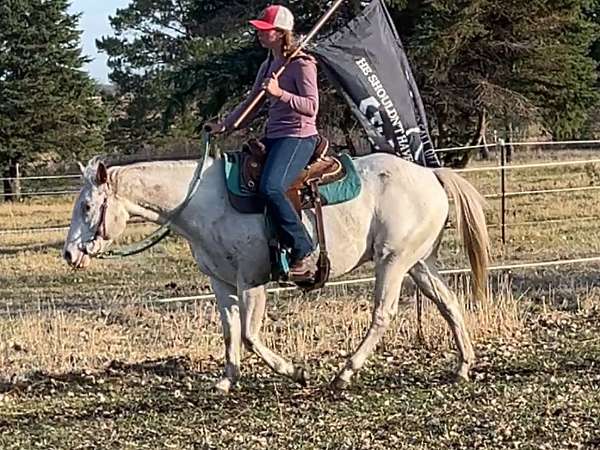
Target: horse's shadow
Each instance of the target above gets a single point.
(159, 379)
(164, 391)
(397, 379)
(176, 367)
(260, 384)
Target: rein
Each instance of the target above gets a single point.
(160, 233)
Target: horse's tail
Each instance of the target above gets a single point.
(470, 222)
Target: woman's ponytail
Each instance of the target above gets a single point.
(288, 43)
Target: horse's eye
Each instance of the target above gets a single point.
(87, 207)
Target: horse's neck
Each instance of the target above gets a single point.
(153, 190)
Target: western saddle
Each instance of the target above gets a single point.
(321, 169)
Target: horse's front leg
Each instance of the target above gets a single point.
(227, 302)
(252, 309)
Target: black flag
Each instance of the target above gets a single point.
(366, 61)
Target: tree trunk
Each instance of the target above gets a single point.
(481, 131)
(441, 126)
(509, 145)
(12, 183)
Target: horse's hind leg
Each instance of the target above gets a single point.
(427, 278)
(252, 305)
(390, 272)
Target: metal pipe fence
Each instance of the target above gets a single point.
(41, 177)
(59, 227)
(355, 281)
(358, 281)
(63, 227)
(506, 166)
(441, 150)
(504, 195)
(40, 193)
(466, 170)
(519, 144)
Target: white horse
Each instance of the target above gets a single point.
(396, 221)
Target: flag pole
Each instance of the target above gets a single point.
(301, 45)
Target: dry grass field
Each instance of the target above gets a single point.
(94, 360)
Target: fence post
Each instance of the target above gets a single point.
(17, 182)
(12, 181)
(502, 145)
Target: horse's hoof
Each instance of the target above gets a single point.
(461, 377)
(222, 386)
(339, 385)
(301, 376)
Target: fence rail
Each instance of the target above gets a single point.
(540, 192)
(357, 281)
(354, 281)
(441, 150)
(529, 166)
(504, 195)
(473, 169)
(519, 144)
(65, 227)
(40, 193)
(60, 227)
(41, 177)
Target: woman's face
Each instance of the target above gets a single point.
(270, 38)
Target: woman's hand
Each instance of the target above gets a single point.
(214, 128)
(271, 86)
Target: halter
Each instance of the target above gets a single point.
(101, 227)
(89, 247)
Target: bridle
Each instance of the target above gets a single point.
(101, 227)
(89, 247)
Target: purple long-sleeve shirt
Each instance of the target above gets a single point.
(294, 113)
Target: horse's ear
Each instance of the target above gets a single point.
(101, 174)
(81, 168)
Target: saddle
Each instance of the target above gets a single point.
(322, 169)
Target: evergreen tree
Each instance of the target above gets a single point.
(173, 60)
(593, 14)
(49, 108)
(518, 61)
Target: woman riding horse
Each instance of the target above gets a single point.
(291, 133)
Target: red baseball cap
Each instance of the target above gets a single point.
(274, 16)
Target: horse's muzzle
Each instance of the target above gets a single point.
(77, 260)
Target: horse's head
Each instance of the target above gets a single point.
(99, 216)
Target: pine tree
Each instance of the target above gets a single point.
(593, 14)
(49, 107)
(186, 59)
(518, 61)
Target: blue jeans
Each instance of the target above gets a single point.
(286, 158)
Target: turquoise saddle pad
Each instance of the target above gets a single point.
(246, 201)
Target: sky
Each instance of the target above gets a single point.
(94, 24)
